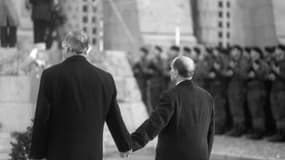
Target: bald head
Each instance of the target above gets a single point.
(185, 66)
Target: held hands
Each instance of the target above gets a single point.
(125, 154)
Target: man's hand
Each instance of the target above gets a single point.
(125, 154)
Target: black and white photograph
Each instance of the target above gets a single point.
(142, 80)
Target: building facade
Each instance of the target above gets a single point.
(244, 22)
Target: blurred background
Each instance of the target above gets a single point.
(238, 47)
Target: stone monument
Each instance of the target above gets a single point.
(279, 13)
(18, 89)
(160, 19)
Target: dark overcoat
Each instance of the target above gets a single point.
(42, 9)
(75, 99)
(8, 13)
(184, 123)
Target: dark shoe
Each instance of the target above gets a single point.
(220, 131)
(278, 137)
(268, 134)
(255, 135)
(235, 132)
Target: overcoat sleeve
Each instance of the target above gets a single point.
(211, 131)
(41, 122)
(156, 122)
(117, 126)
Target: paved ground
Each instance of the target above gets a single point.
(225, 148)
(242, 147)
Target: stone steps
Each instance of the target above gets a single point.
(5, 146)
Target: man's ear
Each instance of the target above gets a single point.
(176, 73)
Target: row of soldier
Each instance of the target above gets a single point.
(248, 84)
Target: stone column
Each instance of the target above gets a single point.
(159, 18)
(121, 25)
(279, 14)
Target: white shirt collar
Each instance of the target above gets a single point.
(187, 79)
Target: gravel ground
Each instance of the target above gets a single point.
(242, 147)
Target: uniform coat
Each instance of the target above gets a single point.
(256, 95)
(237, 91)
(74, 101)
(8, 13)
(277, 97)
(184, 121)
(42, 9)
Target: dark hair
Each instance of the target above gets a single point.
(181, 67)
(225, 50)
(158, 48)
(175, 48)
(196, 49)
(209, 50)
(247, 49)
(219, 48)
(187, 49)
(258, 50)
(281, 46)
(270, 49)
(144, 50)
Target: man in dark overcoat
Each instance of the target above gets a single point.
(75, 99)
(183, 120)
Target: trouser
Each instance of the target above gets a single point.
(41, 31)
(277, 100)
(218, 92)
(256, 100)
(236, 98)
(8, 36)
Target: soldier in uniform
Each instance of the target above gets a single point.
(187, 51)
(218, 79)
(155, 84)
(142, 74)
(201, 71)
(270, 124)
(256, 93)
(237, 69)
(277, 97)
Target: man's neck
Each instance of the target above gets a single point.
(74, 54)
(178, 81)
